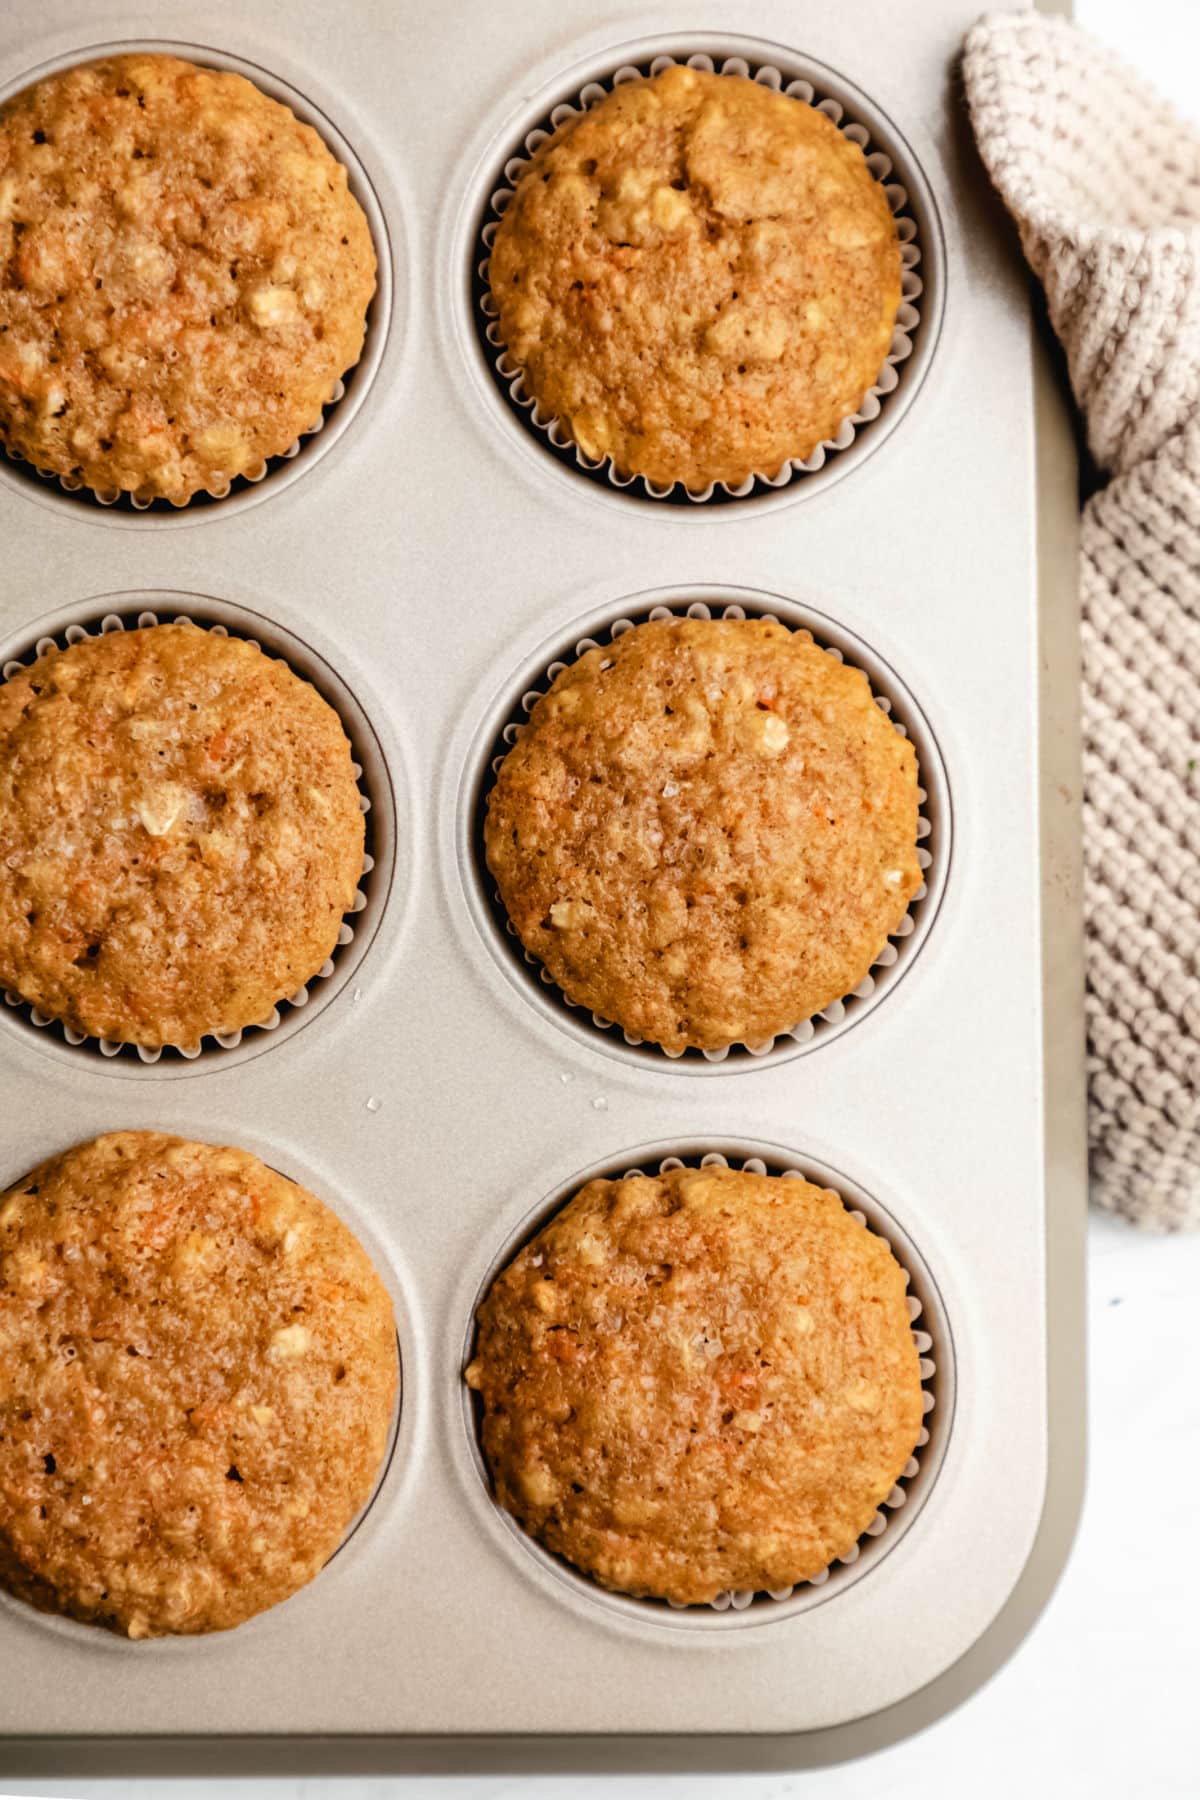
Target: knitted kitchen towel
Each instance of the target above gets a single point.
(1103, 180)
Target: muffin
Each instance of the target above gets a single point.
(699, 277)
(180, 834)
(198, 1373)
(184, 277)
(698, 1382)
(706, 832)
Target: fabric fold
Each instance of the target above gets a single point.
(1103, 180)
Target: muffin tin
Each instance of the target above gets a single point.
(439, 1096)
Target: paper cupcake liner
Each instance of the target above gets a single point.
(901, 1493)
(217, 490)
(552, 432)
(805, 1030)
(210, 1042)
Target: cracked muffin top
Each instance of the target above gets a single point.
(699, 277)
(698, 1382)
(180, 834)
(198, 1372)
(184, 276)
(706, 831)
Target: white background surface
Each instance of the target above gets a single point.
(1100, 1701)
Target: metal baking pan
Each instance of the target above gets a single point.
(418, 558)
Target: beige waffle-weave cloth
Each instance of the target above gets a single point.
(1103, 180)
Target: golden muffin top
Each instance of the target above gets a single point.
(180, 834)
(698, 1382)
(699, 276)
(706, 831)
(184, 276)
(198, 1372)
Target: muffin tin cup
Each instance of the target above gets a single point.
(271, 473)
(933, 832)
(456, 1094)
(553, 433)
(352, 940)
(899, 1509)
(391, 1472)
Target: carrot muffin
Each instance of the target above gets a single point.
(198, 1372)
(184, 275)
(706, 831)
(698, 1382)
(180, 834)
(699, 278)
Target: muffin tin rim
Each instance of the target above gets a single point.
(503, 135)
(694, 1626)
(395, 1474)
(384, 778)
(391, 240)
(469, 759)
